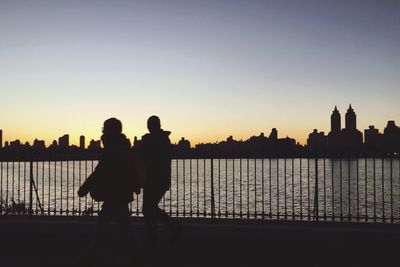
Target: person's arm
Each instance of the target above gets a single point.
(87, 185)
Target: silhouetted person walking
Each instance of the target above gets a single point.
(156, 152)
(110, 182)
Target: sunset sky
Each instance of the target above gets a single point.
(208, 68)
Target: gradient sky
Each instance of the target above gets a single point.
(208, 68)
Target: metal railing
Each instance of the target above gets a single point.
(363, 189)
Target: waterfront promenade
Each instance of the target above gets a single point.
(65, 241)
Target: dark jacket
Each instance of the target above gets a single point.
(112, 173)
(156, 152)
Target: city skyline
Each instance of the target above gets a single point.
(66, 67)
(350, 124)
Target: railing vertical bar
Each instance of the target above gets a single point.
(177, 188)
(49, 189)
(219, 187)
(198, 185)
(383, 190)
(366, 188)
(12, 182)
(191, 187)
(55, 187)
(262, 188)
(19, 181)
(270, 188)
(308, 190)
(248, 189)
(43, 201)
(204, 186)
(333, 188)
(25, 169)
(255, 187)
(1, 187)
(233, 188)
(293, 195)
(391, 190)
(316, 191)
(37, 183)
(98, 203)
(349, 189)
(301, 189)
(73, 187)
(86, 198)
(226, 187)
(7, 183)
(341, 190)
(374, 165)
(184, 187)
(240, 186)
(285, 185)
(30, 188)
(325, 213)
(358, 190)
(212, 188)
(61, 188)
(80, 182)
(277, 188)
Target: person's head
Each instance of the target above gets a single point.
(153, 124)
(111, 128)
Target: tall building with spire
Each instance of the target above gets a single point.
(351, 119)
(335, 121)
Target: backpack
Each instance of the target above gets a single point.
(137, 171)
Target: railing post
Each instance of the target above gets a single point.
(31, 188)
(212, 189)
(316, 200)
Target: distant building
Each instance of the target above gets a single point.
(351, 119)
(82, 142)
(371, 136)
(335, 121)
(39, 144)
(94, 145)
(391, 138)
(273, 135)
(316, 142)
(63, 141)
(15, 144)
(347, 141)
(183, 146)
(1, 138)
(351, 137)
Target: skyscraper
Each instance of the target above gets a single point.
(82, 142)
(1, 138)
(63, 141)
(335, 121)
(351, 119)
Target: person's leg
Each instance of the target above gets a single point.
(100, 254)
(149, 212)
(174, 226)
(129, 248)
(102, 227)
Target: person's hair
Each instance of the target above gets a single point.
(112, 126)
(153, 123)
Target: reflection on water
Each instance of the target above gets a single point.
(242, 187)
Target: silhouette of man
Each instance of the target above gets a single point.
(156, 152)
(116, 190)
